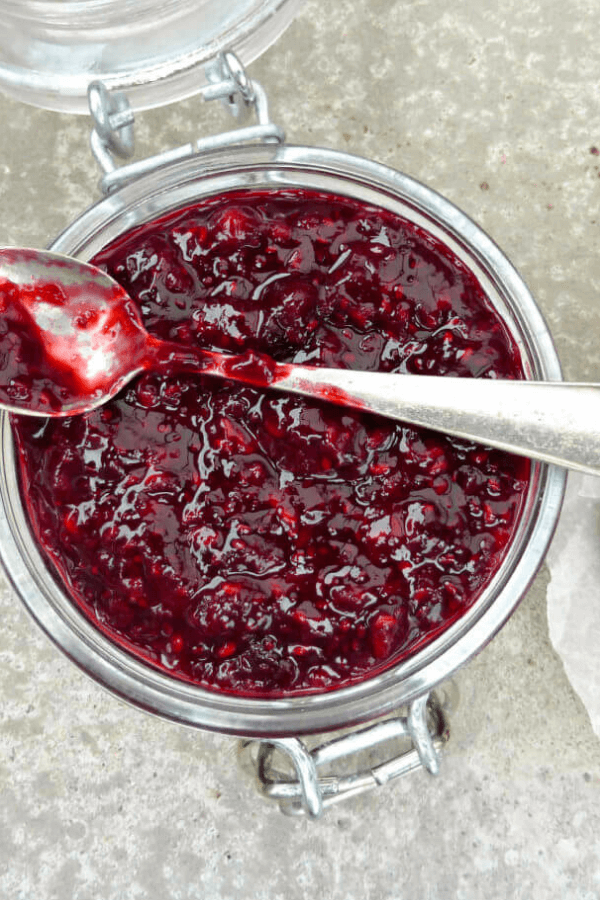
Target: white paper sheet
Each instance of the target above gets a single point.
(574, 590)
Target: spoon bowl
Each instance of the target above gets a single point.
(70, 336)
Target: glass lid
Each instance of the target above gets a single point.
(155, 50)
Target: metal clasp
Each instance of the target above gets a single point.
(300, 790)
(227, 81)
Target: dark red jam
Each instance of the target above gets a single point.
(262, 544)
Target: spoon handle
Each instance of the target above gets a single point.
(555, 422)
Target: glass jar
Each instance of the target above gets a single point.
(157, 50)
(264, 167)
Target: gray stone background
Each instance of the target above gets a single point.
(497, 107)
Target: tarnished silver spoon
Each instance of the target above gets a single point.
(71, 338)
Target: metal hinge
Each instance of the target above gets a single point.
(300, 789)
(113, 117)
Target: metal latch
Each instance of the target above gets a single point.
(300, 789)
(113, 118)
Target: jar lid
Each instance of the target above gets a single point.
(155, 50)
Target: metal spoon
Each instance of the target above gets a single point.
(71, 338)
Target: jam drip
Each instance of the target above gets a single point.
(263, 544)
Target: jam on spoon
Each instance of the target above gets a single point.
(71, 338)
(264, 544)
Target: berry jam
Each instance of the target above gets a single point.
(262, 544)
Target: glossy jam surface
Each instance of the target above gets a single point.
(264, 544)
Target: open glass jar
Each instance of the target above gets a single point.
(148, 191)
(273, 167)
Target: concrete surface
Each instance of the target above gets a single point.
(497, 107)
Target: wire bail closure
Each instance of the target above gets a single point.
(301, 791)
(113, 132)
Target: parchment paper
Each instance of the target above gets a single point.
(574, 590)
